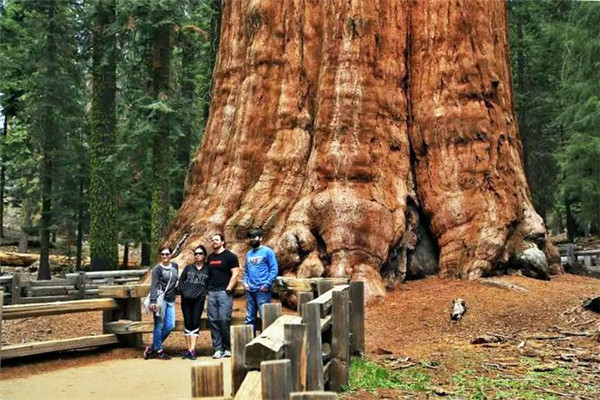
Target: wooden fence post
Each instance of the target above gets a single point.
(276, 379)
(303, 297)
(296, 348)
(357, 297)
(1, 307)
(340, 350)
(207, 379)
(129, 309)
(81, 284)
(270, 312)
(241, 335)
(314, 396)
(324, 286)
(16, 288)
(312, 317)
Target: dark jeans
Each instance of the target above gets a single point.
(254, 303)
(219, 319)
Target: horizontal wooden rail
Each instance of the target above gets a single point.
(325, 300)
(60, 307)
(28, 349)
(106, 274)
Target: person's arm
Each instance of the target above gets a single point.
(154, 285)
(182, 279)
(273, 271)
(245, 278)
(235, 272)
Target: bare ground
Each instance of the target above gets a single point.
(410, 329)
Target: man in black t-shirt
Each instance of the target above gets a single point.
(224, 270)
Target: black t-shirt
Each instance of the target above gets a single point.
(220, 269)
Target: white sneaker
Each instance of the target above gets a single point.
(218, 354)
(226, 353)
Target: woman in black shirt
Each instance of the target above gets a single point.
(193, 284)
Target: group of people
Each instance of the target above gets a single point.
(214, 275)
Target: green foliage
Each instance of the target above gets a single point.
(368, 375)
(554, 54)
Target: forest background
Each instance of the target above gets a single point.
(104, 102)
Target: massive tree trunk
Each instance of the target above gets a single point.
(364, 138)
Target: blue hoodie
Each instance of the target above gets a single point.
(260, 268)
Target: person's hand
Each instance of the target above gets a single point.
(228, 291)
(153, 307)
(264, 289)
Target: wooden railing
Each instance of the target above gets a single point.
(295, 356)
(570, 253)
(75, 286)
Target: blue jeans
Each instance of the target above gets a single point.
(162, 327)
(254, 302)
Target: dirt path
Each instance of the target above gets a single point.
(135, 379)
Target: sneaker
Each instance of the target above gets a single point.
(185, 355)
(149, 353)
(218, 354)
(162, 355)
(226, 353)
(192, 355)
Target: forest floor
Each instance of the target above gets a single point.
(413, 349)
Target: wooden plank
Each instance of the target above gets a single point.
(59, 307)
(285, 284)
(304, 297)
(124, 291)
(125, 327)
(52, 282)
(251, 387)
(269, 345)
(48, 291)
(325, 300)
(27, 349)
(270, 312)
(1, 307)
(16, 288)
(310, 316)
(314, 396)
(357, 316)
(106, 274)
(241, 335)
(47, 299)
(340, 345)
(276, 379)
(81, 282)
(5, 279)
(207, 379)
(296, 349)
(324, 286)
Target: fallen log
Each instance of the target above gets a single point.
(13, 259)
(21, 350)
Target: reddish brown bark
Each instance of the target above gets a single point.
(336, 126)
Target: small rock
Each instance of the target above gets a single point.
(545, 367)
(486, 339)
(459, 308)
(440, 391)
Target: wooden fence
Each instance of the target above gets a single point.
(295, 356)
(75, 286)
(570, 253)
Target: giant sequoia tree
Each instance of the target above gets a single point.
(367, 139)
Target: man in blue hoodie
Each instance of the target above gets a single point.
(260, 272)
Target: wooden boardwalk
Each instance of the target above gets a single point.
(120, 379)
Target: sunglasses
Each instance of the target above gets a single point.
(165, 254)
(199, 254)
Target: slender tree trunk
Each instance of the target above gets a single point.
(125, 263)
(49, 130)
(146, 259)
(25, 225)
(327, 118)
(103, 194)
(3, 177)
(160, 66)
(80, 223)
